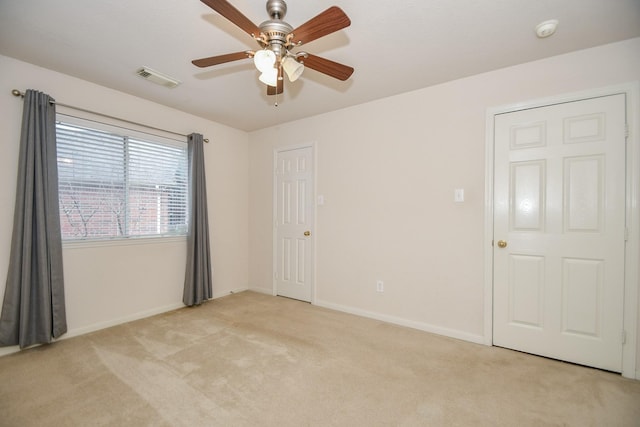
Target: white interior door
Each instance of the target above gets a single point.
(294, 219)
(559, 231)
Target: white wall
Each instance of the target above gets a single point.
(109, 284)
(388, 170)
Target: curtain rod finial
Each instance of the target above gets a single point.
(16, 92)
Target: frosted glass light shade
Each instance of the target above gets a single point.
(264, 60)
(269, 77)
(293, 68)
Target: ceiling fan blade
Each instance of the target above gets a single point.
(225, 9)
(329, 21)
(272, 90)
(220, 59)
(325, 66)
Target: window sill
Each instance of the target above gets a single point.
(155, 240)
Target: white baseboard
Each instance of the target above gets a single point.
(9, 350)
(114, 322)
(103, 325)
(217, 295)
(140, 315)
(262, 291)
(452, 333)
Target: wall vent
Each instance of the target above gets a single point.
(157, 77)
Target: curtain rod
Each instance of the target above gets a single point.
(16, 92)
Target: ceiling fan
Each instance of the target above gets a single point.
(277, 39)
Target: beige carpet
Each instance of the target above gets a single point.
(255, 360)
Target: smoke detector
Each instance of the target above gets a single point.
(157, 77)
(546, 28)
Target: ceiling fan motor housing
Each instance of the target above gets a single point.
(276, 30)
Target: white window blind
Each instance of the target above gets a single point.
(114, 185)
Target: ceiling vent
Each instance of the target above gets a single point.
(157, 77)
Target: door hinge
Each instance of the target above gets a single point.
(626, 130)
(624, 336)
(626, 234)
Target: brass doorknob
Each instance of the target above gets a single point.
(307, 233)
(502, 244)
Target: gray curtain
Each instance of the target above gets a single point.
(33, 309)
(197, 281)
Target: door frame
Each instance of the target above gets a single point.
(632, 214)
(274, 239)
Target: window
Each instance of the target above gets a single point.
(116, 183)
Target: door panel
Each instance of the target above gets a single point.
(527, 195)
(294, 223)
(583, 194)
(526, 290)
(559, 188)
(582, 286)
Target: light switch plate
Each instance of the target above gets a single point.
(458, 195)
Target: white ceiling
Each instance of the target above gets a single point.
(394, 47)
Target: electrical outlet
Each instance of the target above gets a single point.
(380, 286)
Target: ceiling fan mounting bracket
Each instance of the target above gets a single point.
(276, 9)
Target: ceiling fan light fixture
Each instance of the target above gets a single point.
(293, 68)
(264, 60)
(269, 77)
